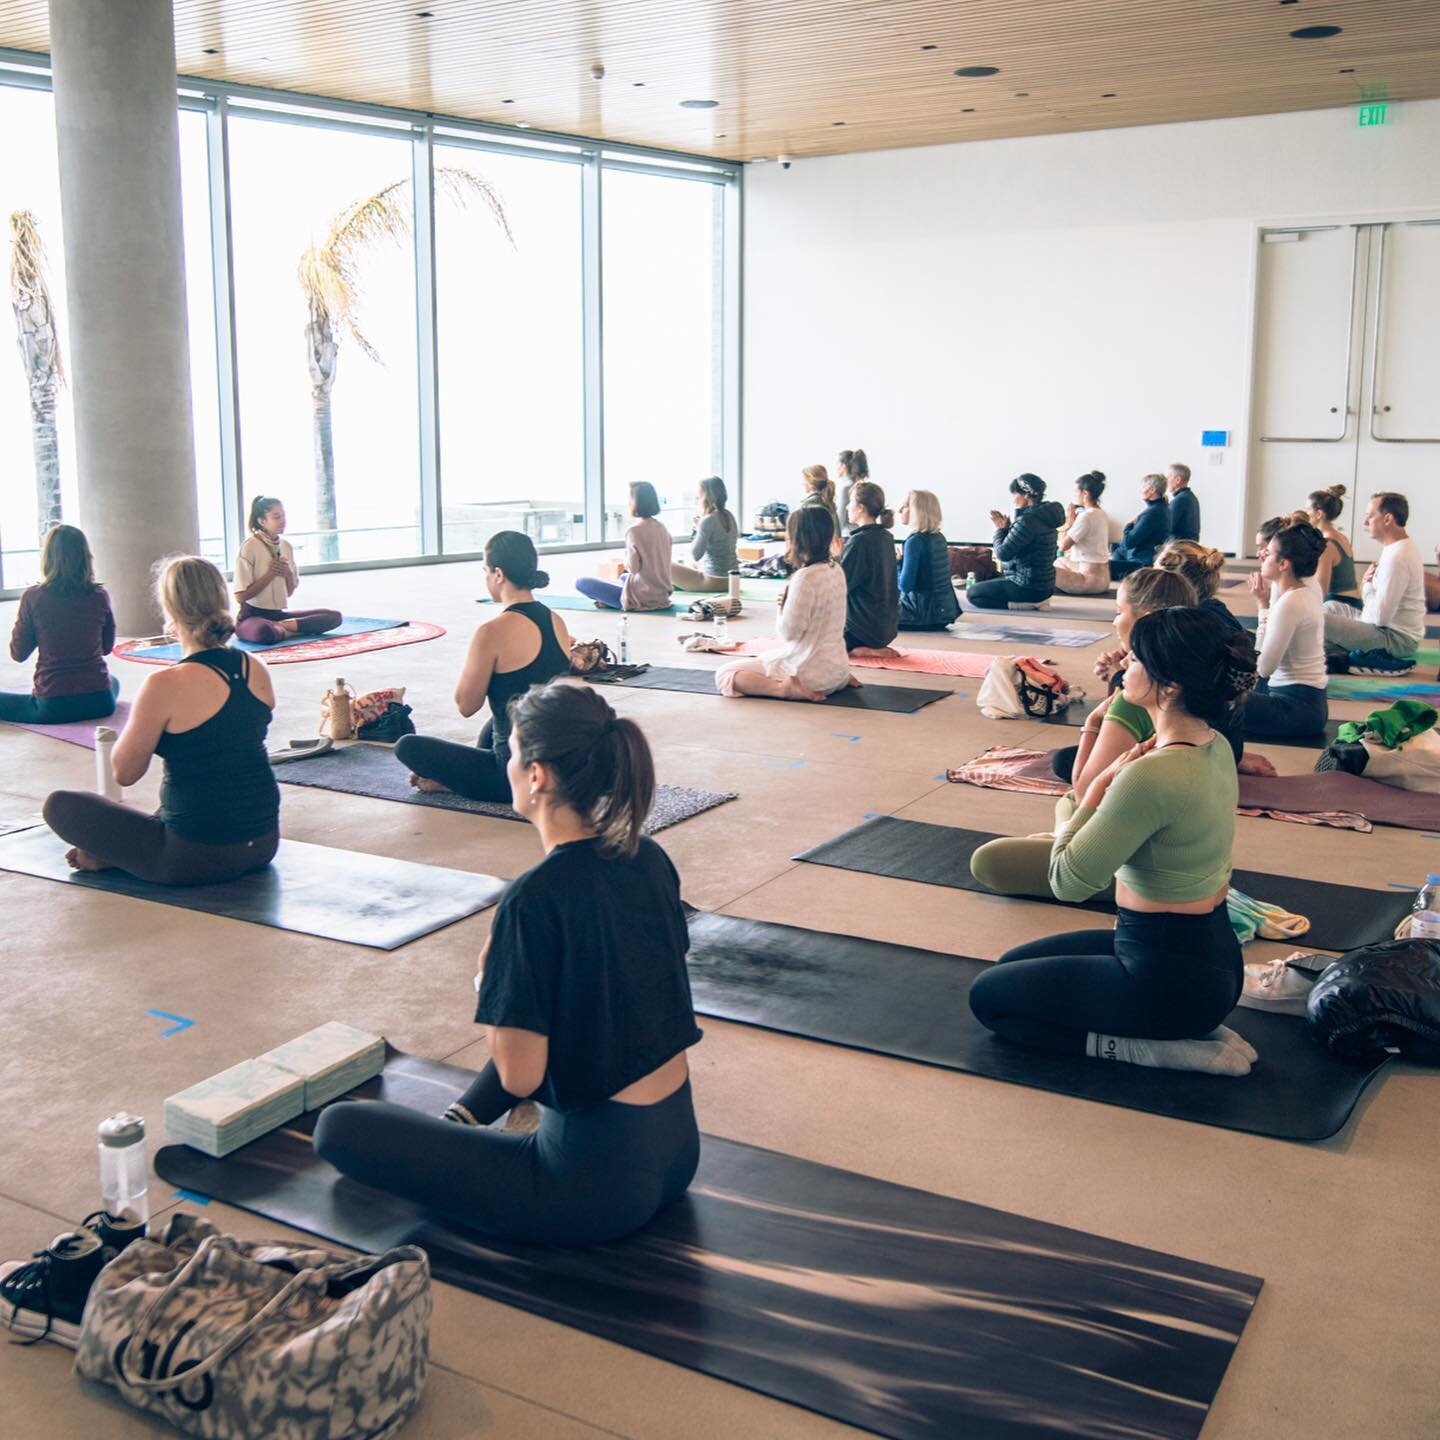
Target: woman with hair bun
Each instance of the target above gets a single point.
(1203, 568)
(1335, 573)
(1025, 546)
(1084, 564)
(1160, 820)
(525, 644)
(206, 717)
(586, 1000)
(265, 579)
(1290, 698)
(872, 606)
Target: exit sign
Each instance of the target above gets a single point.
(1373, 114)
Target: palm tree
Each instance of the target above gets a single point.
(330, 277)
(38, 335)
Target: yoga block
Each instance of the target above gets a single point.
(330, 1059)
(610, 570)
(749, 552)
(234, 1107)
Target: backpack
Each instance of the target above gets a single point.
(976, 560)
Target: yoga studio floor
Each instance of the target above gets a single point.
(1341, 1342)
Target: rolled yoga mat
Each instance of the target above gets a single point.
(898, 699)
(914, 1004)
(902, 1313)
(311, 889)
(373, 770)
(1342, 917)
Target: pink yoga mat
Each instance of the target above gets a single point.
(927, 662)
(82, 732)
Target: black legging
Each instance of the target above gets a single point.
(584, 1176)
(1001, 594)
(474, 771)
(1155, 977)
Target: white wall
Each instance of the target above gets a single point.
(1055, 304)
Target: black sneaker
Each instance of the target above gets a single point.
(116, 1231)
(44, 1298)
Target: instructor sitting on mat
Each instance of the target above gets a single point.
(586, 994)
(266, 578)
(1290, 698)
(525, 644)
(206, 717)
(1026, 546)
(872, 611)
(1161, 820)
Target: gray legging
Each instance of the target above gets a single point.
(583, 1177)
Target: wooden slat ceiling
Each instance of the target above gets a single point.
(807, 77)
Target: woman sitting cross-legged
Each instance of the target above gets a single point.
(1161, 820)
(1025, 546)
(586, 996)
(1291, 697)
(872, 605)
(265, 579)
(1084, 564)
(206, 717)
(525, 644)
(927, 598)
(645, 583)
(812, 663)
(714, 545)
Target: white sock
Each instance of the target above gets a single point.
(1236, 1041)
(1218, 1057)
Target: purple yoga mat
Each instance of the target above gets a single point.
(1339, 790)
(82, 732)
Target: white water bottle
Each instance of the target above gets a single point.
(124, 1175)
(1425, 914)
(105, 782)
(624, 635)
(734, 584)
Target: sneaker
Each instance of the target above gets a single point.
(1379, 662)
(115, 1231)
(44, 1298)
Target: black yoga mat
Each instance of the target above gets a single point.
(1297, 742)
(373, 770)
(312, 889)
(903, 1313)
(899, 699)
(1341, 917)
(913, 1004)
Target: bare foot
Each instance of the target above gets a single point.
(1255, 765)
(875, 652)
(812, 695)
(78, 859)
(855, 682)
(290, 627)
(427, 786)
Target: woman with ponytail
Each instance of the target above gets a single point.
(525, 644)
(1290, 698)
(585, 994)
(1160, 820)
(206, 717)
(872, 603)
(1335, 573)
(265, 579)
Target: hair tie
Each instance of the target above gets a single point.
(1241, 681)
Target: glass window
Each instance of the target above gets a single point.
(511, 343)
(663, 331)
(328, 391)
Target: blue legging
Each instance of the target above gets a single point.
(583, 1177)
(604, 591)
(1285, 710)
(58, 709)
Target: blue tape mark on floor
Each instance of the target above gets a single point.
(841, 735)
(181, 1022)
(791, 764)
(872, 815)
(193, 1196)
(941, 776)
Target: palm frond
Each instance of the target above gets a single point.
(29, 284)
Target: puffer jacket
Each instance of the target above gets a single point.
(927, 598)
(1146, 533)
(1027, 547)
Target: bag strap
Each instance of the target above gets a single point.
(228, 1346)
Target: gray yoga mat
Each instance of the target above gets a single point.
(373, 770)
(900, 1312)
(311, 889)
(914, 1004)
(1342, 917)
(898, 699)
(968, 628)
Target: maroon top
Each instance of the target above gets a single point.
(74, 633)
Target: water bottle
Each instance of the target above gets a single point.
(734, 584)
(124, 1175)
(970, 581)
(105, 782)
(1425, 915)
(624, 634)
(722, 634)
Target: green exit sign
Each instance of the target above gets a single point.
(1373, 114)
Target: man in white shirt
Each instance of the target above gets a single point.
(1383, 641)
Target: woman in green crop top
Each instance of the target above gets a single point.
(1160, 819)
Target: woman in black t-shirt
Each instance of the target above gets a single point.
(587, 999)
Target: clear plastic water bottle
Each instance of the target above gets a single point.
(722, 633)
(1425, 914)
(124, 1174)
(970, 581)
(623, 631)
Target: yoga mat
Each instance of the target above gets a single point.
(373, 770)
(1252, 622)
(903, 1313)
(82, 732)
(1415, 684)
(580, 602)
(1296, 742)
(301, 648)
(1342, 917)
(901, 700)
(1027, 635)
(966, 664)
(311, 889)
(350, 625)
(1338, 790)
(913, 1004)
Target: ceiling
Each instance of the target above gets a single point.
(807, 77)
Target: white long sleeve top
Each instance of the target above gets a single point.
(1395, 598)
(1291, 639)
(812, 625)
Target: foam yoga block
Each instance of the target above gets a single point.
(903, 1313)
(313, 889)
(914, 1005)
(1342, 917)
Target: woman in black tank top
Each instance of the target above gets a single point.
(219, 804)
(478, 771)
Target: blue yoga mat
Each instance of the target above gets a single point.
(351, 625)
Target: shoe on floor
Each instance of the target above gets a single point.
(116, 1231)
(1379, 662)
(44, 1298)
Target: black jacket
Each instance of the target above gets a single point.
(927, 598)
(872, 604)
(1146, 533)
(1027, 546)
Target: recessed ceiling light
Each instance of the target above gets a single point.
(1315, 32)
(699, 104)
(929, 47)
(975, 72)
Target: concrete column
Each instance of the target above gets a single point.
(119, 150)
